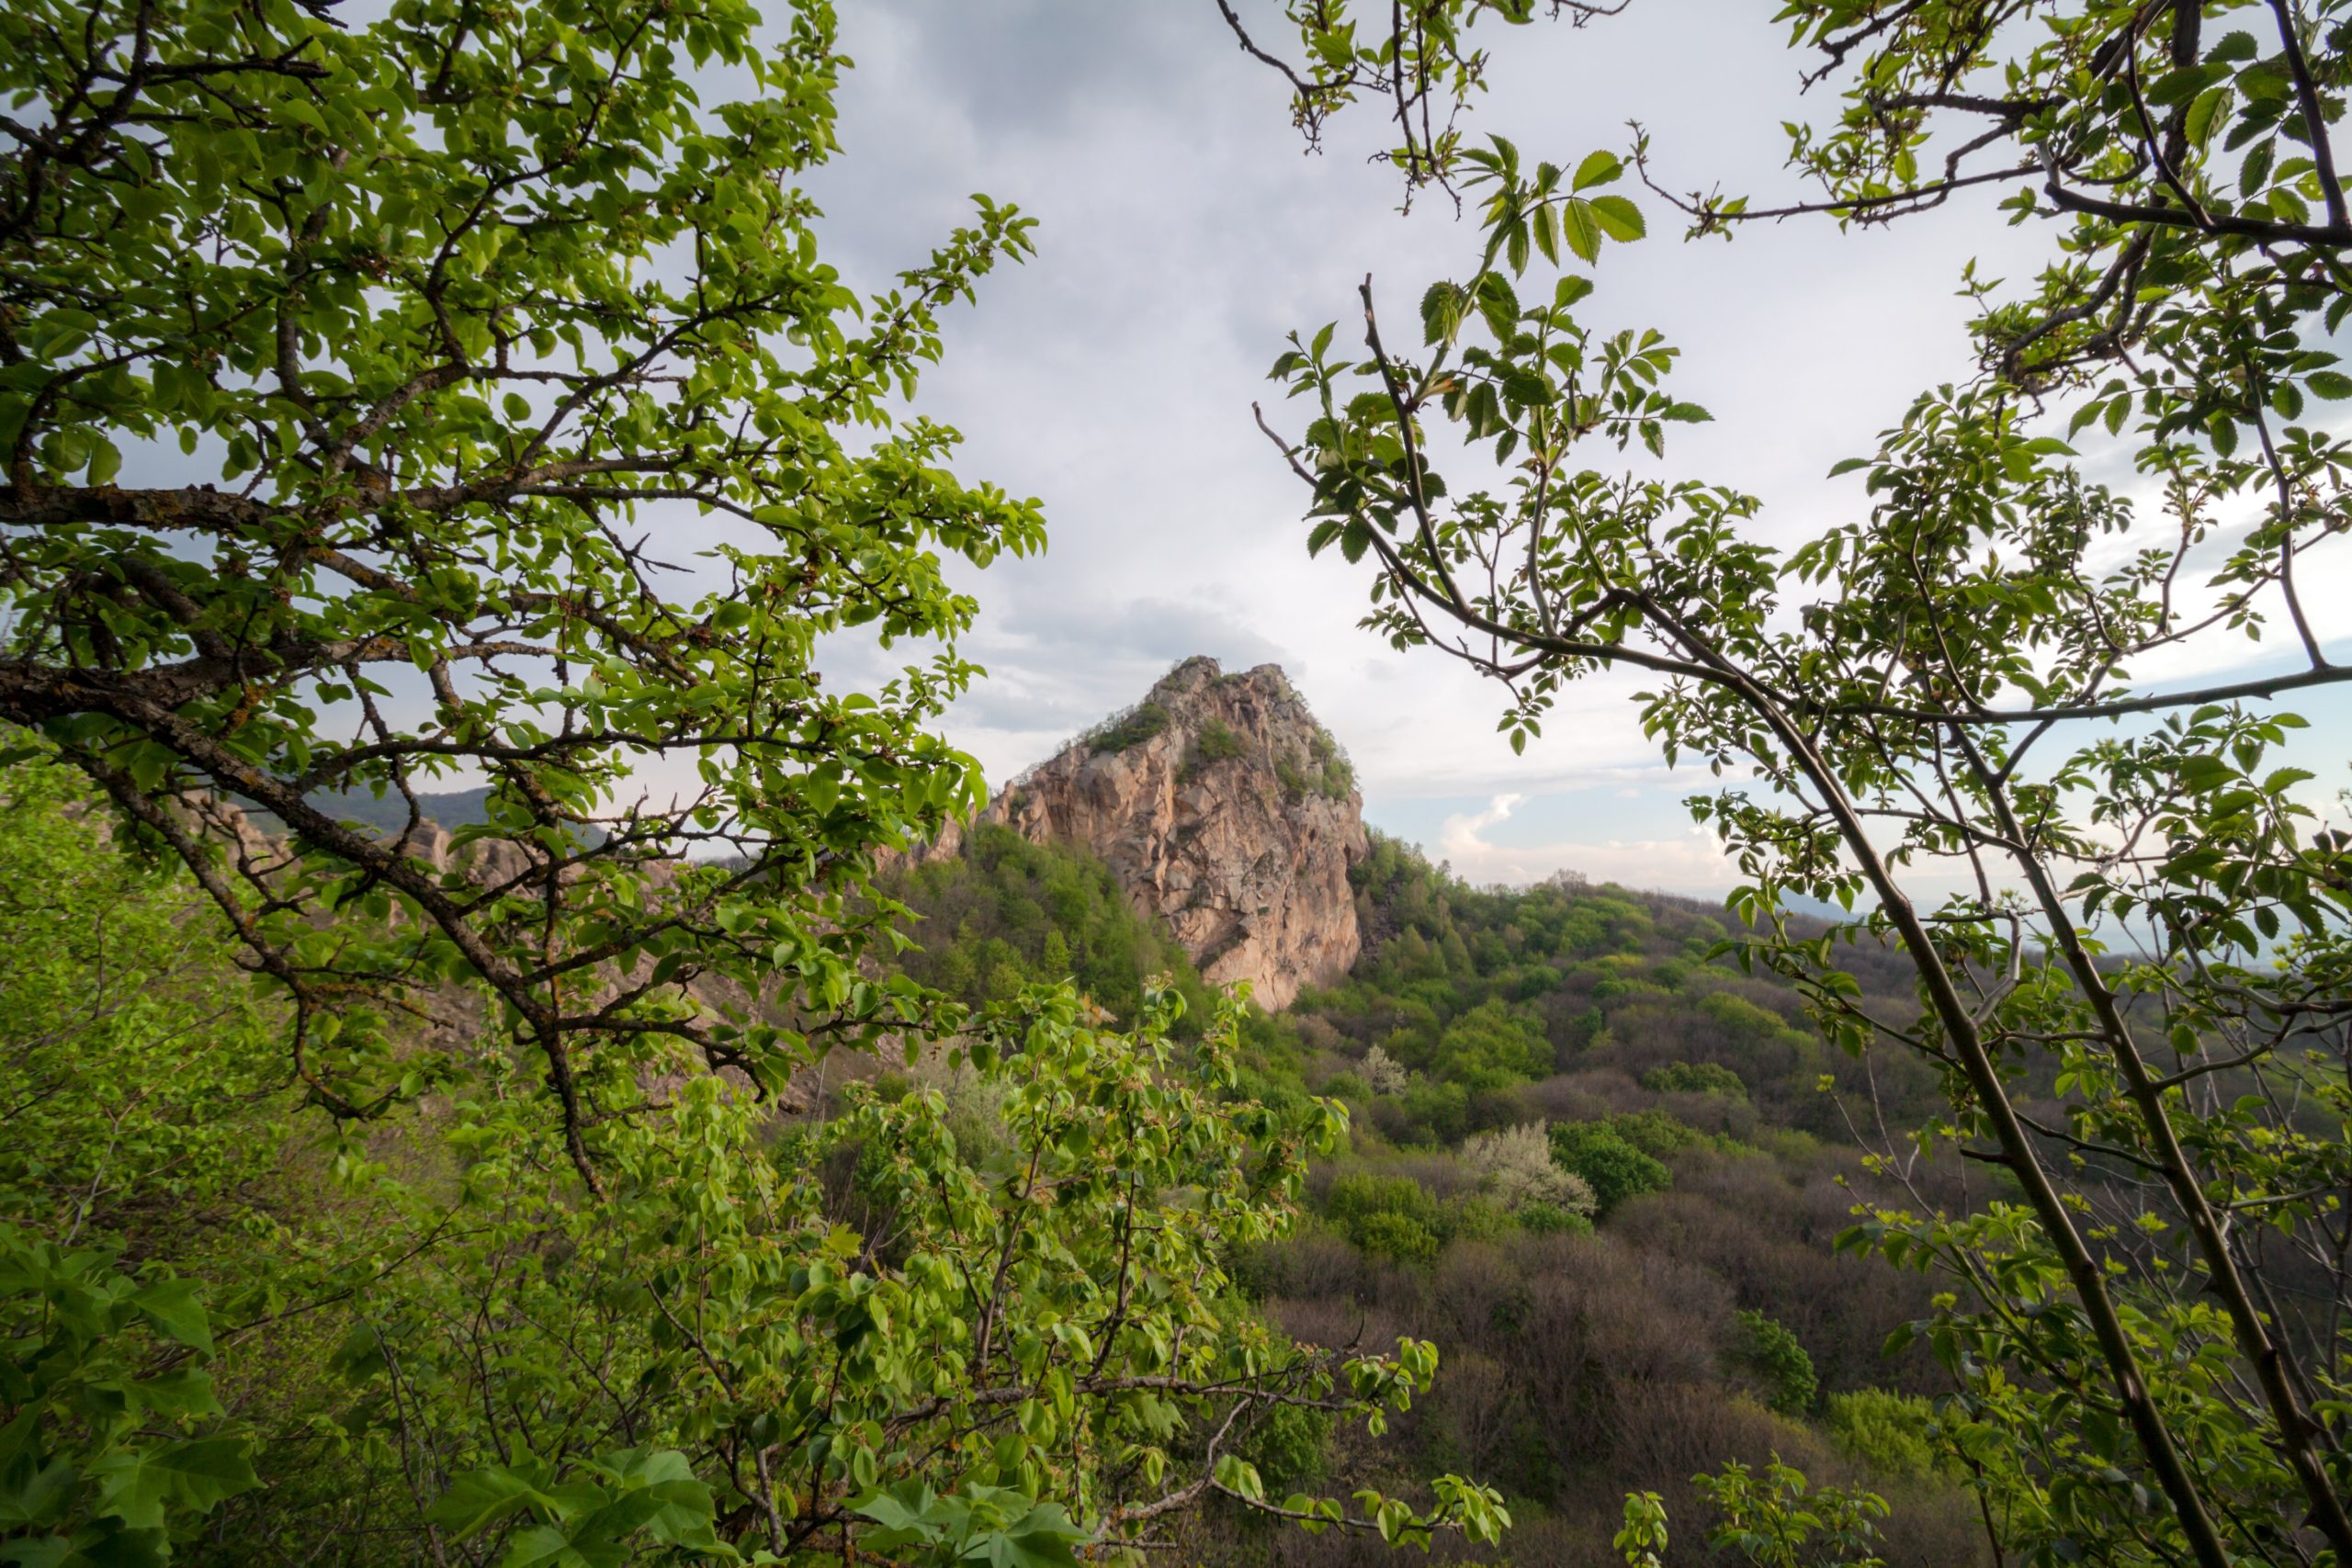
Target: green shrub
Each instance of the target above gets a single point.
(1293, 777)
(1287, 1445)
(1894, 1434)
(1345, 1086)
(1215, 743)
(1551, 1219)
(1133, 728)
(1361, 1193)
(1790, 1145)
(1396, 1218)
(1435, 1112)
(1695, 1078)
(1742, 1016)
(1613, 1167)
(1491, 1047)
(1397, 1236)
(1617, 988)
(1007, 912)
(1771, 1355)
(1658, 1133)
(1474, 1217)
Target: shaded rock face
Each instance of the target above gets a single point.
(1226, 812)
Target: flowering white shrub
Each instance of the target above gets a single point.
(1384, 1072)
(1514, 1166)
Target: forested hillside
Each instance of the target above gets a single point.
(688, 1157)
(240, 1332)
(1599, 1165)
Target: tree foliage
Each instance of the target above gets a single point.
(1609, 1166)
(1952, 691)
(987, 1314)
(1004, 913)
(457, 395)
(452, 394)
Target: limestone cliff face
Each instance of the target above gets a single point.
(1226, 812)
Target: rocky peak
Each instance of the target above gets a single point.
(1226, 812)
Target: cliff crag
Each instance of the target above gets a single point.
(1225, 812)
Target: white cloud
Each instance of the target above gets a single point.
(1182, 234)
(1460, 840)
(1691, 863)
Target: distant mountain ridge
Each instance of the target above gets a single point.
(447, 810)
(451, 809)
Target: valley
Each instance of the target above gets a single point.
(1601, 1168)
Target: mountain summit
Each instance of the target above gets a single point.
(1225, 812)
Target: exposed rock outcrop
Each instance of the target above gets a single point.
(1226, 812)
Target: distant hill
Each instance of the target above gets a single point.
(389, 814)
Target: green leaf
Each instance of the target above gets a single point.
(1547, 234)
(481, 1498)
(145, 1488)
(173, 1308)
(1618, 218)
(1498, 304)
(1570, 290)
(1043, 1538)
(1441, 309)
(181, 1392)
(1580, 228)
(1238, 1475)
(544, 1544)
(1597, 169)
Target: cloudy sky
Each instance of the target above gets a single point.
(1183, 233)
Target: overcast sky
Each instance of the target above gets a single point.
(1183, 233)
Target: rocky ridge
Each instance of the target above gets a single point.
(1225, 812)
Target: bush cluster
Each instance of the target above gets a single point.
(1613, 1167)
(1131, 728)
(1695, 1078)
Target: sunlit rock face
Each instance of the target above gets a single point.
(1226, 812)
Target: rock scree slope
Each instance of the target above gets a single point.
(1225, 812)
